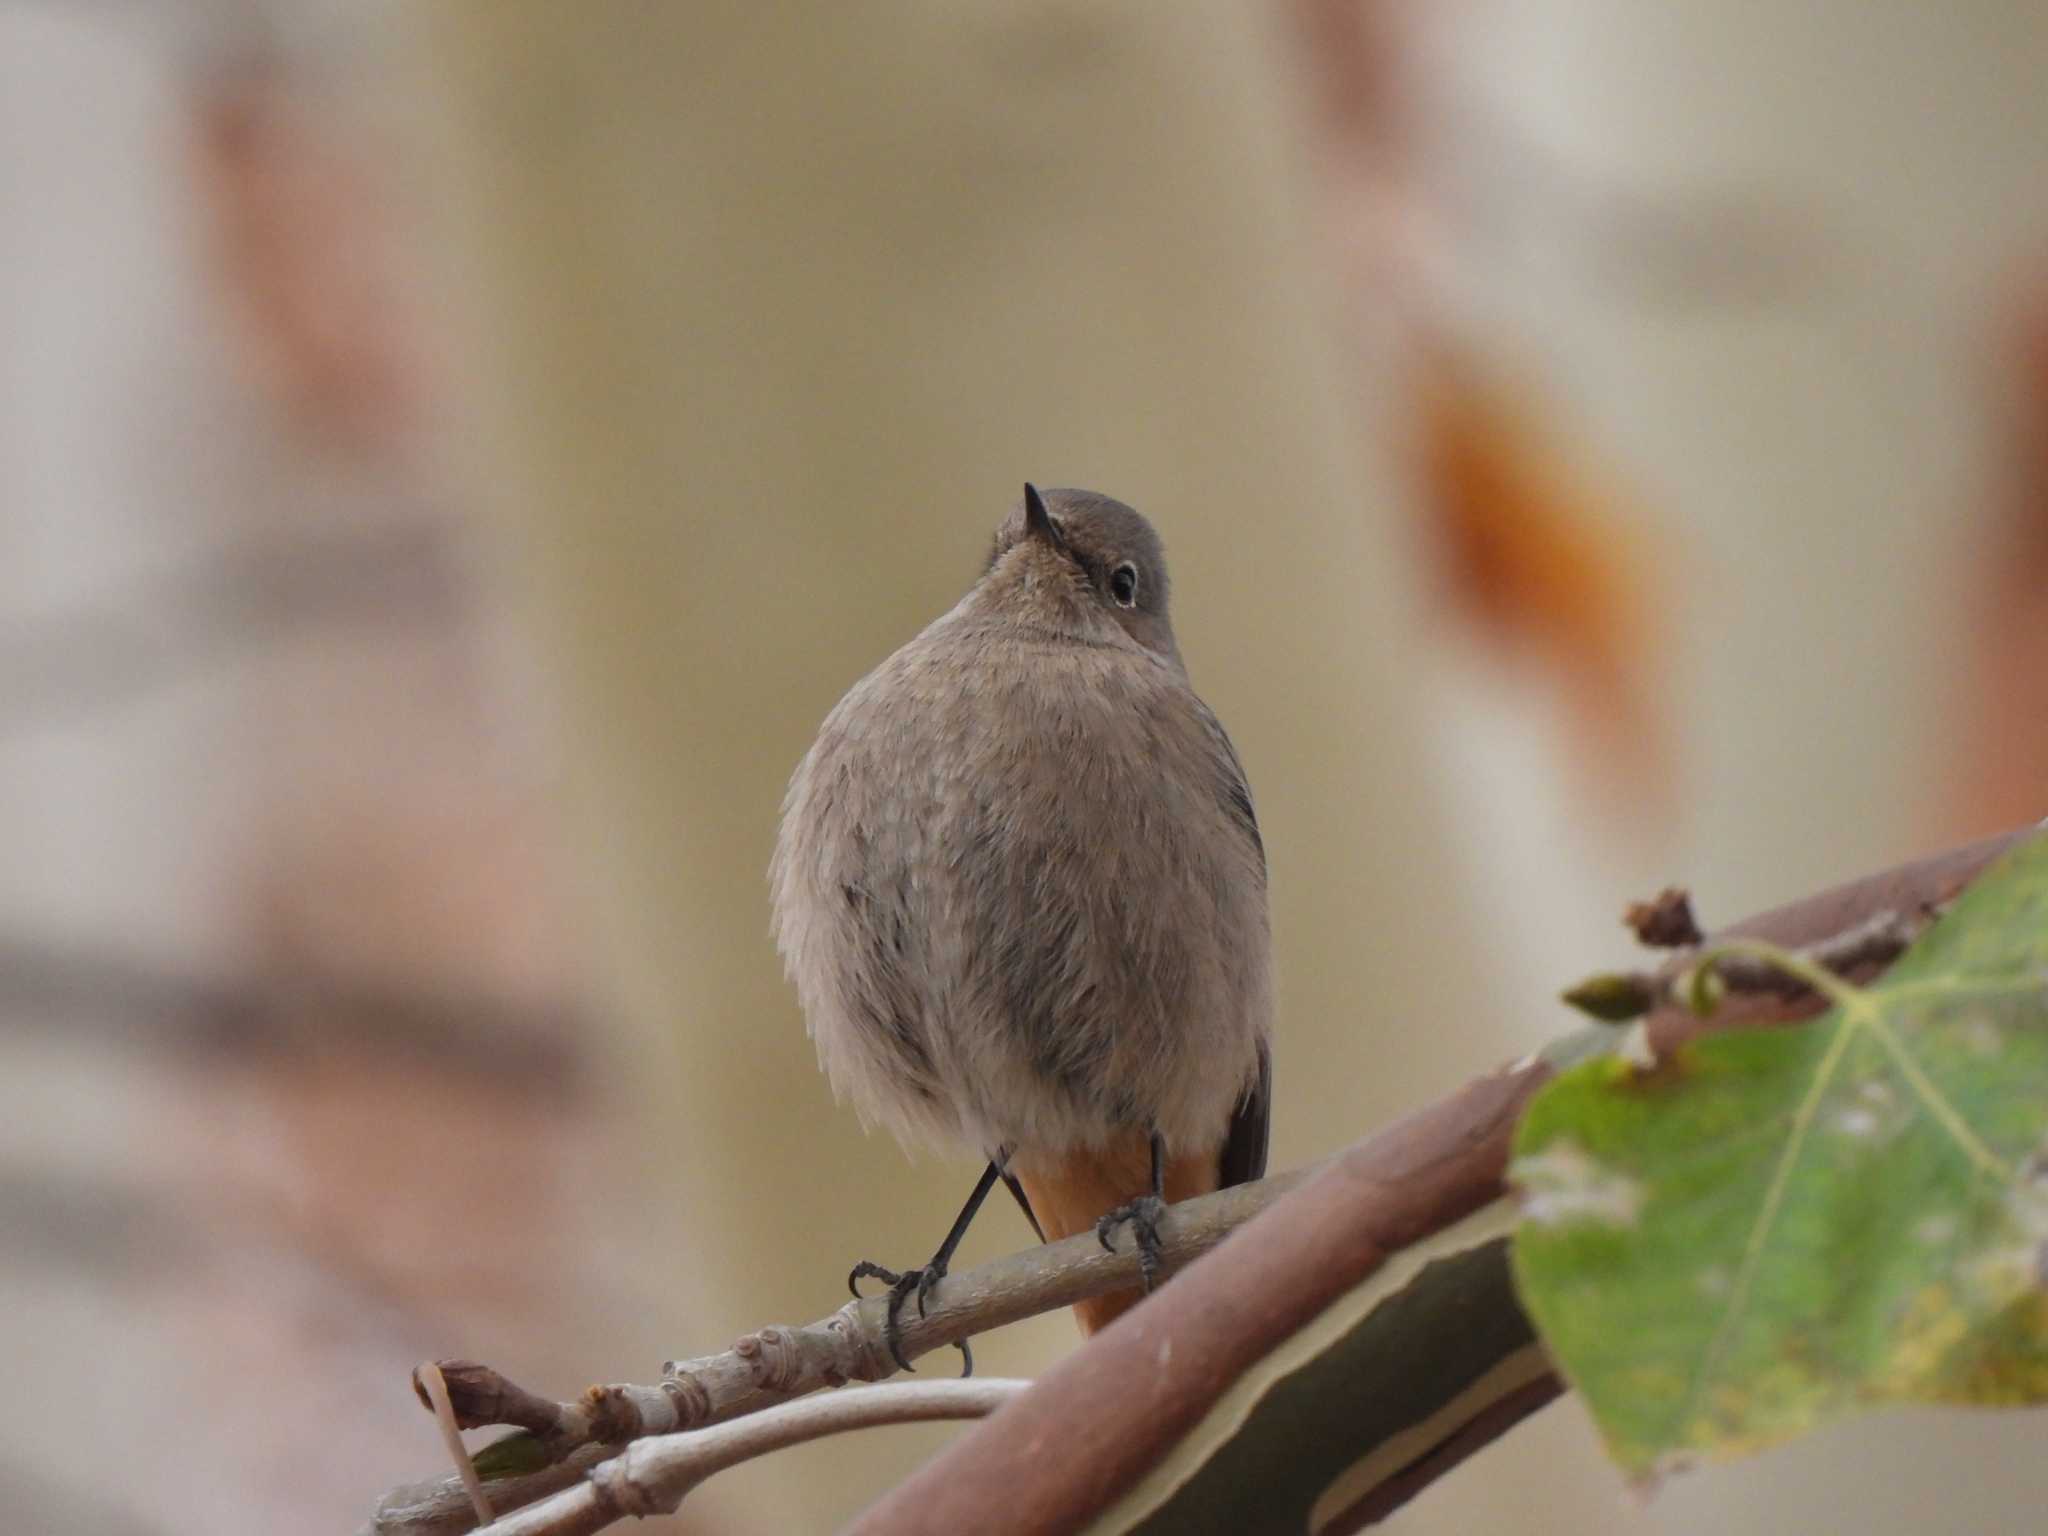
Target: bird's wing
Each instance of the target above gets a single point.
(1235, 788)
(1251, 1126)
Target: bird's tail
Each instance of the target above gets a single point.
(1070, 1193)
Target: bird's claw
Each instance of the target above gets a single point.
(921, 1282)
(868, 1269)
(1142, 1216)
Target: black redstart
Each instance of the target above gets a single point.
(1021, 891)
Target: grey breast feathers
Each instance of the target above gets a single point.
(1020, 890)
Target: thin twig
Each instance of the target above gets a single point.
(1665, 921)
(434, 1386)
(779, 1363)
(652, 1476)
(1618, 996)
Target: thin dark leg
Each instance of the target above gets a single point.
(944, 1256)
(1142, 1216)
(922, 1281)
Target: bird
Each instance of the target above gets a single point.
(1020, 889)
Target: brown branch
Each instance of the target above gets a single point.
(1486, 1425)
(1108, 1413)
(1858, 951)
(1854, 930)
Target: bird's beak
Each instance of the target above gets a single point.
(1038, 522)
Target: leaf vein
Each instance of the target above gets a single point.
(1767, 1215)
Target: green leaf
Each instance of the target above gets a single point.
(1779, 1227)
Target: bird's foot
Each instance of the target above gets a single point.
(1142, 1216)
(918, 1282)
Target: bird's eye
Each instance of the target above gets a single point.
(1123, 585)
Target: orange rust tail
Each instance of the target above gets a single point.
(1071, 1194)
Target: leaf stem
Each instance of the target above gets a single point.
(1841, 993)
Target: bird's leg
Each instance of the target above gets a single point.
(923, 1280)
(1143, 1216)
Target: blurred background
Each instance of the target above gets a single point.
(452, 455)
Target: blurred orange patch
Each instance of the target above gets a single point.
(1999, 759)
(1535, 557)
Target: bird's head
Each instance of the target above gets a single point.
(1102, 552)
